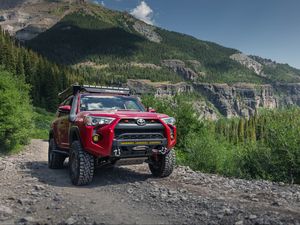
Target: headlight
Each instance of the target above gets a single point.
(94, 120)
(169, 120)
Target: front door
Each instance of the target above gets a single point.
(63, 126)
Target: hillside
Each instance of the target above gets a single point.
(118, 46)
(113, 48)
(104, 37)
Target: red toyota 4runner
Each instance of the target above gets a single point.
(100, 126)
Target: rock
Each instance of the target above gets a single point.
(248, 62)
(163, 195)
(172, 192)
(5, 212)
(70, 221)
(35, 193)
(147, 31)
(2, 18)
(220, 215)
(202, 213)
(255, 199)
(56, 199)
(39, 187)
(2, 166)
(182, 190)
(129, 190)
(25, 201)
(27, 219)
(252, 217)
(227, 211)
(241, 222)
(276, 203)
(180, 68)
(183, 198)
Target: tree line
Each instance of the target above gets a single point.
(45, 78)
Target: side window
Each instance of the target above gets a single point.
(68, 101)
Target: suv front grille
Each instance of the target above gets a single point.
(128, 129)
(143, 136)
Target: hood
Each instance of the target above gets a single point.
(126, 114)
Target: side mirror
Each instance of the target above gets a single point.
(151, 110)
(64, 109)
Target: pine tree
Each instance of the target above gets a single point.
(241, 130)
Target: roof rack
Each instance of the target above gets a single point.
(75, 88)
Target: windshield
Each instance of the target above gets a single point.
(104, 103)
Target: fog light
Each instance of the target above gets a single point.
(96, 138)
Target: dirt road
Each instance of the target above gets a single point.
(30, 193)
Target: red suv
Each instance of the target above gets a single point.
(101, 126)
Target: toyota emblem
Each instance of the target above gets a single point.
(141, 122)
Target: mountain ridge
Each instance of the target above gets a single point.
(114, 48)
(176, 45)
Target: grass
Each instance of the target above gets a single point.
(42, 120)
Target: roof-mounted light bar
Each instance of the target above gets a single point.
(105, 89)
(74, 89)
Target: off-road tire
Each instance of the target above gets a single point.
(55, 160)
(81, 165)
(164, 166)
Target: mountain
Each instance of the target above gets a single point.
(110, 47)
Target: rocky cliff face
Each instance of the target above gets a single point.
(180, 68)
(147, 31)
(25, 19)
(288, 94)
(228, 100)
(159, 88)
(239, 99)
(248, 62)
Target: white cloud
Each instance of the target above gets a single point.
(99, 2)
(143, 12)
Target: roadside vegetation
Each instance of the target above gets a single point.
(41, 123)
(15, 112)
(19, 121)
(265, 146)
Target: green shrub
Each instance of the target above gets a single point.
(42, 120)
(265, 146)
(15, 112)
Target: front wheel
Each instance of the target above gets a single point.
(81, 165)
(164, 164)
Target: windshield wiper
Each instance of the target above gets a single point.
(132, 110)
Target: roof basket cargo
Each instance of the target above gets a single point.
(74, 89)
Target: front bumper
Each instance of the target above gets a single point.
(123, 140)
(132, 148)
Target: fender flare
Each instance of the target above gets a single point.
(74, 134)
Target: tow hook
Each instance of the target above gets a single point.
(117, 152)
(163, 150)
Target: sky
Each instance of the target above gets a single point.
(267, 28)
